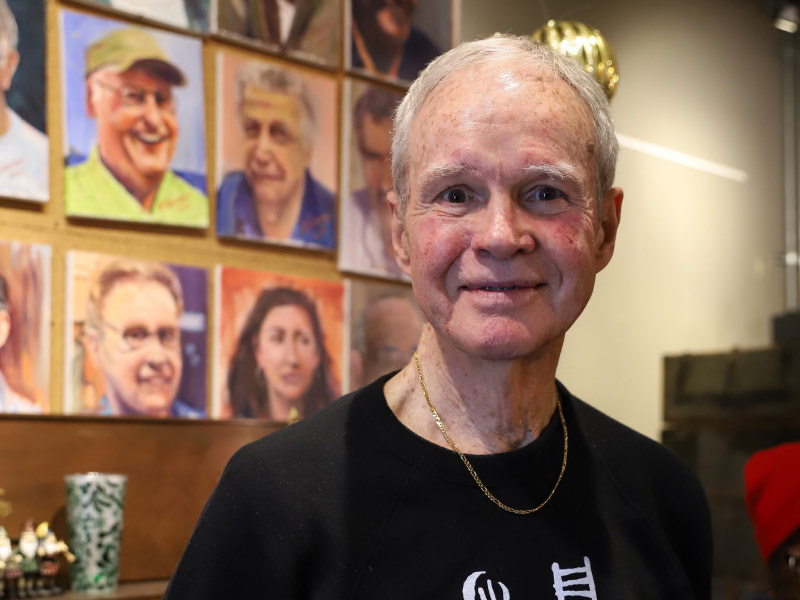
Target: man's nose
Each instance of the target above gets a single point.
(264, 146)
(152, 112)
(503, 228)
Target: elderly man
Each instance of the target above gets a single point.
(127, 176)
(367, 239)
(275, 197)
(472, 472)
(133, 336)
(24, 164)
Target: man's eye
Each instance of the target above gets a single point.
(546, 193)
(280, 133)
(133, 97)
(455, 196)
(136, 334)
(252, 129)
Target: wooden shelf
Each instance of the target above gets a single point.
(140, 590)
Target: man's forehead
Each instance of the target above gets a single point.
(258, 98)
(479, 87)
(501, 96)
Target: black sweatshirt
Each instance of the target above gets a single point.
(349, 503)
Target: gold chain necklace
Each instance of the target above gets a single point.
(471, 469)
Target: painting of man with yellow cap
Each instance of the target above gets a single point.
(131, 154)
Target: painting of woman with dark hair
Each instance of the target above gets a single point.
(280, 370)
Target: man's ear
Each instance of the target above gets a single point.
(609, 224)
(399, 235)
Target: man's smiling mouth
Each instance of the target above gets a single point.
(150, 138)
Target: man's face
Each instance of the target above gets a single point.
(392, 331)
(137, 127)
(275, 156)
(374, 148)
(139, 347)
(9, 60)
(502, 236)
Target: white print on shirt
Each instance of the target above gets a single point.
(471, 590)
(574, 582)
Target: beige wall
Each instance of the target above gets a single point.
(695, 266)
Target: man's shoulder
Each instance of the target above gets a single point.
(317, 435)
(616, 444)
(317, 222)
(180, 203)
(27, 134)
(231, 183)
(318, 193)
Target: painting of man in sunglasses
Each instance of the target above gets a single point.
(132, 155)
(141, 346)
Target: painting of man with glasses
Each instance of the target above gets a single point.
(132, 154)
(139, 346)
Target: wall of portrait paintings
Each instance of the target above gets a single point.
(193, 217)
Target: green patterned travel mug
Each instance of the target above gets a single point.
(94, 524)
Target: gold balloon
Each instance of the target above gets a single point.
(586, 45)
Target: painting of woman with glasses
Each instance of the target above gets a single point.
(135, 135)
(138, 337)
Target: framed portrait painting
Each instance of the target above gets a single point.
(24, 145)
(279, 345)
(276, 152)
(186, 14)
(134, 123)
(365, 242)
(394, 39)
(384, 325)
(24, 327)
(135, 337)
(306, 29)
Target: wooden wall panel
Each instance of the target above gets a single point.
(172, 466)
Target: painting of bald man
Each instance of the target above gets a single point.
(136, 337)
(24, 327)
(186, 14)
(24, 146)
(134, 122)
(277, 159)
(384, 326)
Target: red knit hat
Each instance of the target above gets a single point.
(772, 495)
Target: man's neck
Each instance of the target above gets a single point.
(144, 189)
(486, 406)
(5, 118)
(278, 219)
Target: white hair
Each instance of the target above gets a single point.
(9, 34)
(495, 49)
(281, 81)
